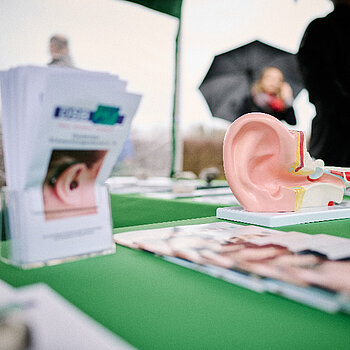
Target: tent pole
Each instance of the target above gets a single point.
(175, 156)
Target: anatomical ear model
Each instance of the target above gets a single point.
(269, 169)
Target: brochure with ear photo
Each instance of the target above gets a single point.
(311, 269)
(63, 130)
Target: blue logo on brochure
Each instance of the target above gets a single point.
(105, 115)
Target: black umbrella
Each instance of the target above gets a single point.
(232, 73)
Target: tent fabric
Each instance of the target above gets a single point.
(172, 7)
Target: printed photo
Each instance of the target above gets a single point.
(253, 251)
(69, 185)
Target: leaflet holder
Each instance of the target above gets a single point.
(28, 251)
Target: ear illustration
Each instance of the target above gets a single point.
(69, 185)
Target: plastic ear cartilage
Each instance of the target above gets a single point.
(268, 168)
(317, 173)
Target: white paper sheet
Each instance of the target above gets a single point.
(56, 324)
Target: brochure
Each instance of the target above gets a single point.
(311, 269)
(63, 130)
(37, 318)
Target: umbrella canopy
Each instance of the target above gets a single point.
(232, 74)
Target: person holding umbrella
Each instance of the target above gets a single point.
(227, 86)
(270, 94)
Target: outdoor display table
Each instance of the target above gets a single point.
(154, 304)
(133, 210)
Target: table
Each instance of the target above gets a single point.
(154, 304)
(133, 210)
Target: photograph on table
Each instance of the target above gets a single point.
(293, 264)
(69, 185)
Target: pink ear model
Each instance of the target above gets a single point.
(269, 169)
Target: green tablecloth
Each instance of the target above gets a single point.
(154, 304)
(132, 210)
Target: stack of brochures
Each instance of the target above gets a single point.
(63, 130)
(311, 269)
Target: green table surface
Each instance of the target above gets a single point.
(133, 210)
(154, 304)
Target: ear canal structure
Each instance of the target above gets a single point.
(269, 169)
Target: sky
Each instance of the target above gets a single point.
(138, 44)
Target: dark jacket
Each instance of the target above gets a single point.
(324, 59)
(248, 105)
(63, 61)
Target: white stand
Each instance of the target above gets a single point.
(28, 241)
(339, 211)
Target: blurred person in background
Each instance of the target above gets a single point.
(324, 59)
(59, 51)
(271, 94)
